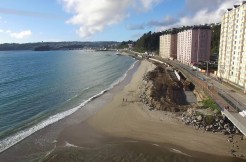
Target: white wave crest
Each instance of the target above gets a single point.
(67, 144)
(179, 152)
(19, 136)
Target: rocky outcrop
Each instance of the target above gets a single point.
(160, 90)
(213, 123)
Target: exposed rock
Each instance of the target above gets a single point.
(219, 124)
(161, 90)
(199, 118)
(241, 138)
(232, 151)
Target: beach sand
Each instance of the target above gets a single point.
(130, 121)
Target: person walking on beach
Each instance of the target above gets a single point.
(123, 99)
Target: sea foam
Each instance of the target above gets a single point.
(19, 136)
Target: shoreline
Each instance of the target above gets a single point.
(108, 124)
(44, 140)
(119, 121)
(135, 121)
(15, 138)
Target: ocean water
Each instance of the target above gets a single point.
(41, 88)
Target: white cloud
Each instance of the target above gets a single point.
(199, 12)
(18, 35)
(144, 5)
(94, 15)
(21, 35)
(206, 15)
(153, 23)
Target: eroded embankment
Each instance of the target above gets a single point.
(162, 90)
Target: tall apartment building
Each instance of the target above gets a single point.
(194, 45)
(168, 46)
(232, 53)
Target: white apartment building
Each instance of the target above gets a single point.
(194, 45)
(168, 46)
(232, 53)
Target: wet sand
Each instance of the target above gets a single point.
(128, 131)
(133, 119)
(108, 129)
(44, 141)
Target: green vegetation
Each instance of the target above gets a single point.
(57, 45)
(124, 44)
(42, 48)
(199, 113)
(209, 119)
(209, 103)
(150, 41)
(211, 67)
(215, 41)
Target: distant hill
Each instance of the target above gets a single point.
(43, 46)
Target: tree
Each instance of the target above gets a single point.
(215, 41)
(151, 41)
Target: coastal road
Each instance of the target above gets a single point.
(221, 93)
(237, 98)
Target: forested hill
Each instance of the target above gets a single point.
(57, 45)
(150, 41)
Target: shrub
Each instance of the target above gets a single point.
(209, 119)
(209, 103)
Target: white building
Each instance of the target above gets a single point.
(232, 53)
(168, 46)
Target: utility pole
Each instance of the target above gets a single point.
(197, 51)
(221, 70)
(237, 109)
(207, 69)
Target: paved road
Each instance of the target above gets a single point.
(238, 99)
(223, 95)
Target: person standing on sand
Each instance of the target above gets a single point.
(123, 99)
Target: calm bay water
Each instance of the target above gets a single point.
(40, 88)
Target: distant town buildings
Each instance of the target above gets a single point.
(232, 52)
(168, 46)
(194, 45)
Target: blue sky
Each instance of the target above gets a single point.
(100, 20)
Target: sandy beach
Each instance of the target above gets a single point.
(124, 118)
(133, 120)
